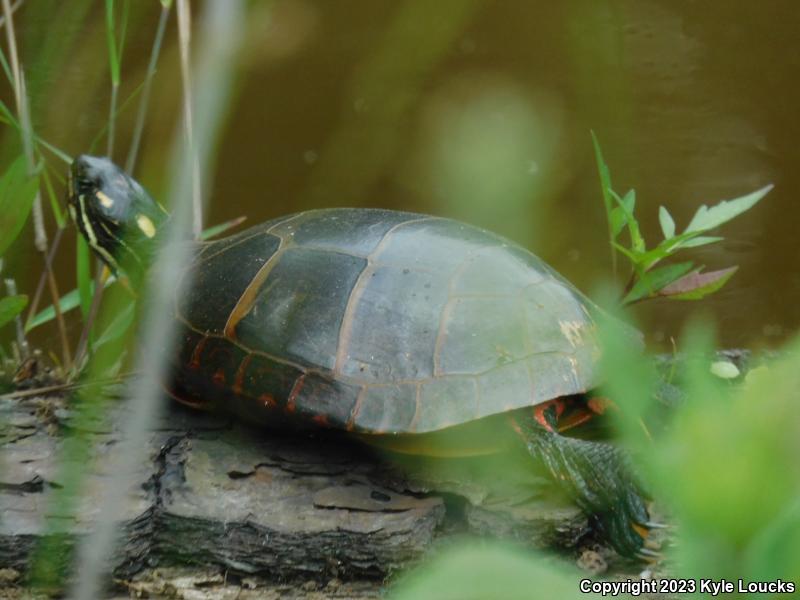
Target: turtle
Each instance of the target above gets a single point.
(414, 332)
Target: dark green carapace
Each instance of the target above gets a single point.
(390, 325)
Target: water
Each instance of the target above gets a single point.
(481, 111)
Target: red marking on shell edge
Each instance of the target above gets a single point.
(240, 372)
(194, 364)
(268, 400)
(219, 377)
(291, 403)
(195, 404)
(321, 420)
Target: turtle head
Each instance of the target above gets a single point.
(115, 214)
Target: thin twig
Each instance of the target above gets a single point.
(94, 309)
(133, 152)
(185, 36)
(62, 327)
(59, 387)
(37, 296)
(14, 8)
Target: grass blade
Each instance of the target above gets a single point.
(214, 231)
(83, 270)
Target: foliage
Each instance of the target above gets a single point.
(678, 281)
(479, 571)
(725, 463)
(17, 191)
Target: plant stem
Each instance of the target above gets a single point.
(112, 120)
(83, 342)
(37, 296)
(62, 327)
(185, 34)
(133, 152)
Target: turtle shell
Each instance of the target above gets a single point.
(378, 321)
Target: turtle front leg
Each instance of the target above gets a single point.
(598, 476)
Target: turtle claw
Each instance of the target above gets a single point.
(653, 525)
(647, 554)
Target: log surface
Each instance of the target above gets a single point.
(284, 508)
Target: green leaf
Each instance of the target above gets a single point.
(66, 303)
(54, 201)
(474, 570)
(653, 281)
(617, 221)
(697, 285)
(629, 200)
(700, 240)
(84, 276)
(618, 218)
(17, 191)
(667, 223)
(605, 176)
(11, 306)
(708, 218)
(627, 204)
(216, 230)
(118, 326)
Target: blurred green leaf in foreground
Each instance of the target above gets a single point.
(724, 466)
(476, 570)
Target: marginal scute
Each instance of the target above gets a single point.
(444, 402)
(326, 397)
(554, 318)
(387, 408)
(555, 375)
(504, 388)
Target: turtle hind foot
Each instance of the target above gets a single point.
(600, 479)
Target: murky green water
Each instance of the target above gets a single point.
(481, 111)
